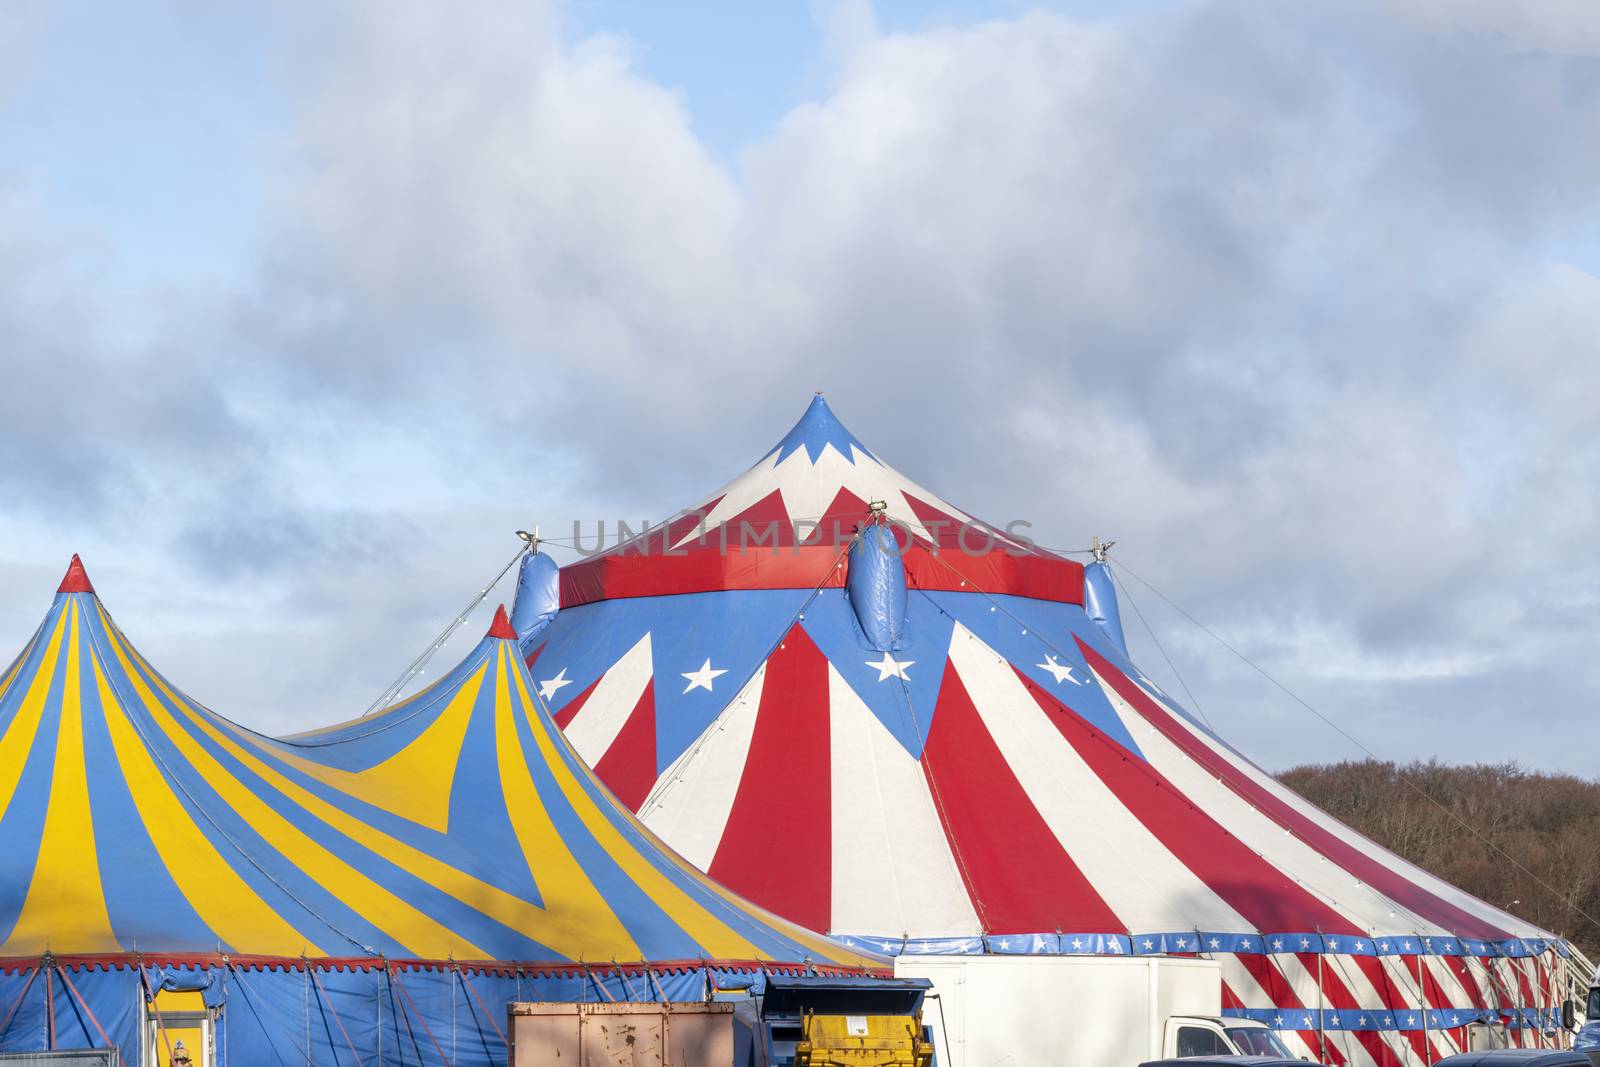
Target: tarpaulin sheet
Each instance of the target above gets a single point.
(288, 1013)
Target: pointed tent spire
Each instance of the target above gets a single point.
(501, 626)
(629, 899)
(818, 428)
(76, 579)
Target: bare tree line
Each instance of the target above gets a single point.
(1547, 823)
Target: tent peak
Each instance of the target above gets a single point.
(501, 626)
(818, 428)
(76, 579)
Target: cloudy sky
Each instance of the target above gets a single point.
(302, 317)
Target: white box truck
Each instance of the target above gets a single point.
(1048, 1011)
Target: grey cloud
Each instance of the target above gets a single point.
(1264, 291)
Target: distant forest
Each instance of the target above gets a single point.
(1548, 823)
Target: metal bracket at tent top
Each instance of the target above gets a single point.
(532, 539)
(1100, 550)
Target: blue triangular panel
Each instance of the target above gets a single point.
(904, 705)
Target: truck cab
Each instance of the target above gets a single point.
(1588, 1038)
(1212, 1035)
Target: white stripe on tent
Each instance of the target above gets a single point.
(604, 714)
(1339, 889)
(1303, 986)
(1412, 873)
(1253, 995)
(808, 488)
(1368, 995)
(690, 803)
(1454, 992)
(1303, 981)
(893, 873)
(1413, 998)
(1134, 873)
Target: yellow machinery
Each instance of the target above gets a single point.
(862, 1041)
(844, 1021)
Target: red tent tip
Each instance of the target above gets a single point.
(501, 627)
(77, 579)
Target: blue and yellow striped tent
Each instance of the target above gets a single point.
(426, 863)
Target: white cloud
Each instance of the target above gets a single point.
(1263, 291)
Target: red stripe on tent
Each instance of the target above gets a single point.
(1413, 968)
(1230, 999)
(1464, 976)
(1334, 993)
(1527, 999)
(1406, 996)
(1269, 978)
(1382, 1053)
(1493, 989)
(1419, 1044)
(840, 519)
(1387, 881)
(1019, 877)
(1250, 885)
(1338, 993)
(629, 766)
(1390, 999)
(533, 657)
(760, 527)
(1434, 995)
(1426, 997)
(1495, 992)
(1279, 989)
(778, 841)
(565, 716)
(1505, 981)
(1543, 978)
(1447, 992)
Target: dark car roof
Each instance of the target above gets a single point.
(1227, 1061)
(1516, 1057)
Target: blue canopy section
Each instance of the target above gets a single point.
(721, 638)
(730, 633)
(368, 1012)
(900, 687)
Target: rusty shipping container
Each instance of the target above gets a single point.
(621, 1035)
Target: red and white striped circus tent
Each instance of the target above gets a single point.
(948, 750)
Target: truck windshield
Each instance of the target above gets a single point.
(1258, 1041)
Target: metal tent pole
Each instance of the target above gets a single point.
(1322, 1033)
